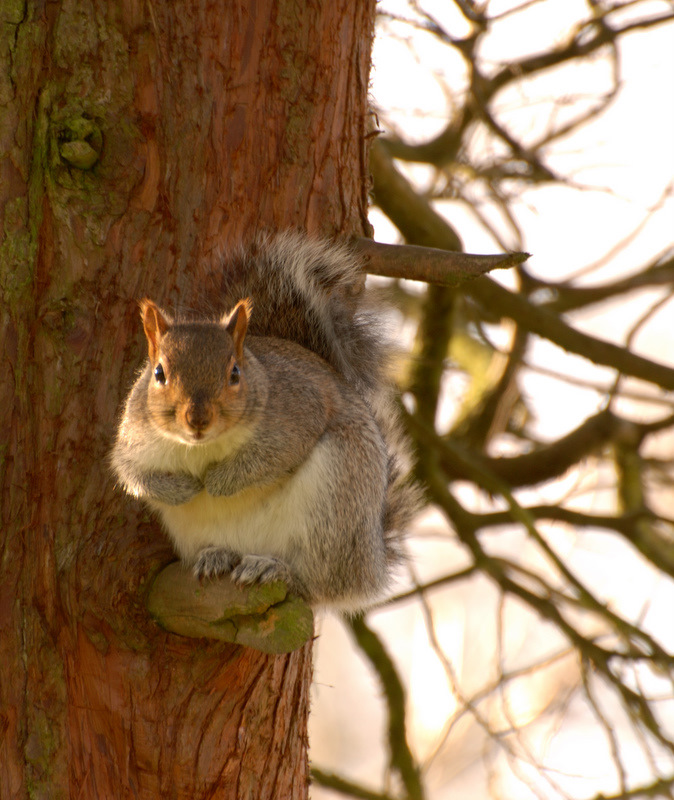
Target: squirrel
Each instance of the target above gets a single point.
(266, 439)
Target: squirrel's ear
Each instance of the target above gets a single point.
(155, 325)
(236, 323)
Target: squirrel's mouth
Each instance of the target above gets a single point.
(192, 437)
(197, 437)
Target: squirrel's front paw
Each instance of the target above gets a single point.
(172, 488)
(219, 481)
(262, 569)
(214, 561)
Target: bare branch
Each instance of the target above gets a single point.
(440, 583)
(429, 264)
(500, 300)
(567, 297)
(411, 214)
(531, 468)
(659, 788)
(264, 617)
(402, 759)
(588, 39)
(338, 784)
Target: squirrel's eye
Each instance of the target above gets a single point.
(234, 375)
(159, 374)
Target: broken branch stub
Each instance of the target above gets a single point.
(264, 617)
(429, 264)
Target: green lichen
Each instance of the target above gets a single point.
(44, 742)
(76, 34)
(12, 11)
(23, 214)
(17, 250)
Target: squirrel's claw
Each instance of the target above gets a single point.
(215, 561)
(261, 569)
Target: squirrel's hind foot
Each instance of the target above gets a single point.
(215, 561)
(265, 569)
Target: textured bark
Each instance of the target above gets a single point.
(138, 139)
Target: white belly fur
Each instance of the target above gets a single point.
(265, 521)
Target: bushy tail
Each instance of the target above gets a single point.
(403, 496)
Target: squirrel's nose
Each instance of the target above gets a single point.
(198, 416)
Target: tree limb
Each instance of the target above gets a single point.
(566, 297)
(430, 264)
(410, 213)
(542, 322)
(588, 38)
(338, 784)
(533, 468)
(264, 617)
(402, 759)
(659, 788)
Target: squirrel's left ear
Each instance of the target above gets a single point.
(236, 323)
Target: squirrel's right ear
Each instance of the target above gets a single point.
(155, 325)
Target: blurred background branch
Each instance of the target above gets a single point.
(534, 626)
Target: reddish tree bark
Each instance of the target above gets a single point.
(138, 139)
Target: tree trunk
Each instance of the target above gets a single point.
(137, 140)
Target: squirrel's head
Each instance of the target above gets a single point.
(197, 388)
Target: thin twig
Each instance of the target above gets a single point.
(343, 786)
